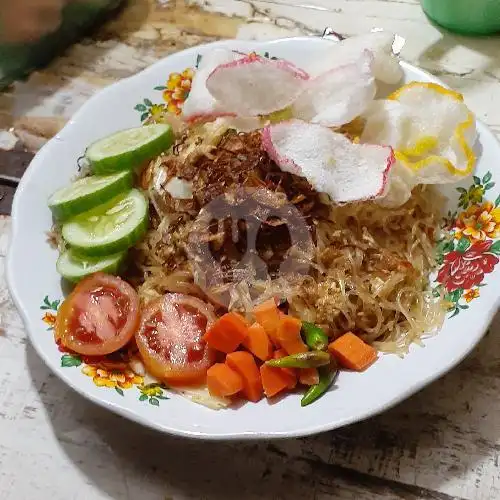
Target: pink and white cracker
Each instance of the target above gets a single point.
(200, 105)
(386, 66)
(255, 85)
(332, 164)
(339, 95)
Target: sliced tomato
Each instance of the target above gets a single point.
(99, 317)
(170, 339)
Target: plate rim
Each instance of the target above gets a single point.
(130, 414)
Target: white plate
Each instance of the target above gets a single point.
(32, 276)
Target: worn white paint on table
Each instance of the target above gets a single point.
(444, 443)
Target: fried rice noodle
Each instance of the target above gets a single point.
(370, 265)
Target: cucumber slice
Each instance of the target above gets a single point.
(128, 149)
(109, 228)
(74, 268)
(87, 193)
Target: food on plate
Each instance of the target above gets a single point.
(267, 314)
(100, 316)
(351, 352)
(308, 359)
(309, 376)
(128, 149)
(379, 44)
(99, 217)
(432, 132)
(87, 193)
(315, 337)
(332, 89)
(283, 233)
(223, 381)
(74, 267)
(327, 377)
(291, 374)
(275, 380)
(242, 85)
(258, 342)
(345, 171)
(244, 364)
(227, 333)
(109, 228)
(170, 339)
(288, 335)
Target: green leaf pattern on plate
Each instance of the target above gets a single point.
(70, 360)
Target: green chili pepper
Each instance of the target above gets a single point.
(310, 359)
(327, 375)
(315, 337)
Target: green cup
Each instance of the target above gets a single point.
(473, 17)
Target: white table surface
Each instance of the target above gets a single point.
(443, 444)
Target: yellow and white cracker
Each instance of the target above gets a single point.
(431, 131)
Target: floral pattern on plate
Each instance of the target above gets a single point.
(174, 92)
(471, 246)
(49, 318)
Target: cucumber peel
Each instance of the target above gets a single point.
(109, 228)
(73, 267)
(128, 149)
(87, 193)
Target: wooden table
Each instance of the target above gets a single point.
(444, 443)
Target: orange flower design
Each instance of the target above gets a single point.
(104, 378)
(479, 222)
(49, 319)
(177, 91)
(470, 295)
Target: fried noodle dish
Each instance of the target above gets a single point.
(282, 228)
(370, 265)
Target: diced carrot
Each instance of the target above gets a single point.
(258, 342)
(274, 380)
(227, 333)
(244, 364)
(267, 314)
(288, 335)
(223, 381)
(290, 373)
(309, 376)
(351, 352)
